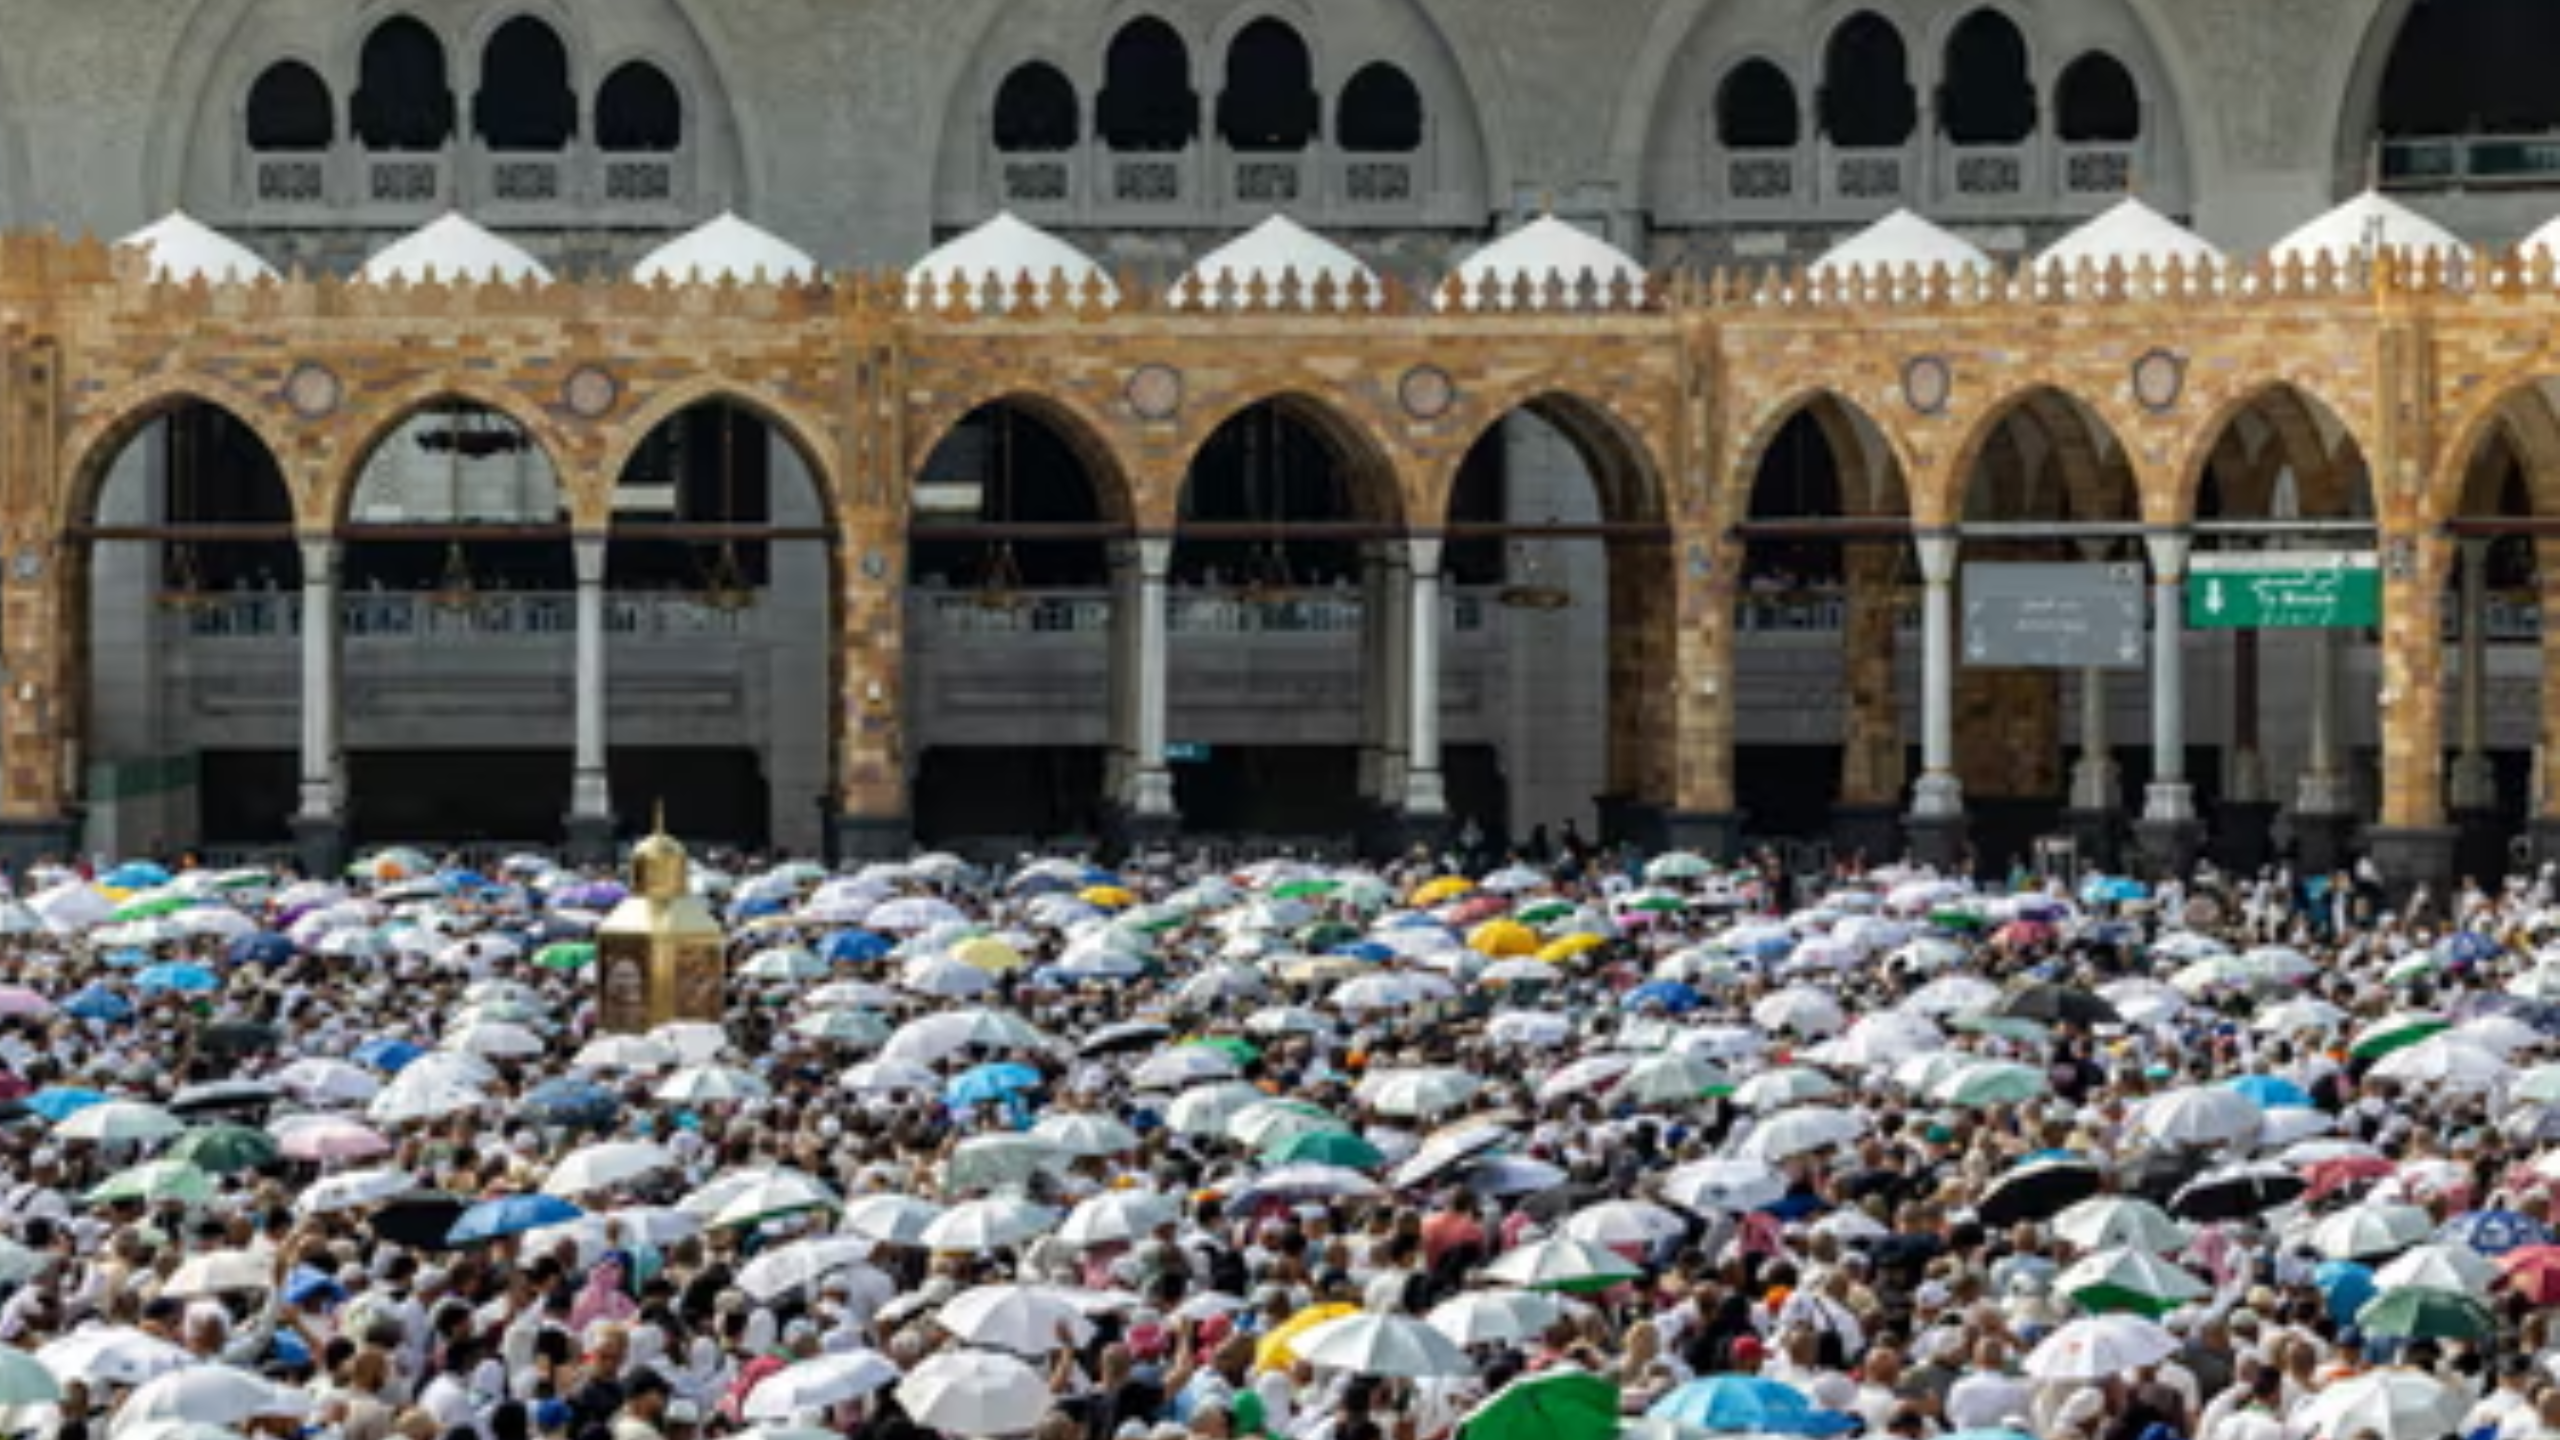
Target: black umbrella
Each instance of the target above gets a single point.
(2159, 1174)
(420, 1219)
(224, 1095)
(2038, 1191)
(1548, 1206)
(2058, 1004)
(1117, 1039)
(237, 1037)
(2236, 1192)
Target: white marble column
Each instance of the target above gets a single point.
(2094, 778)
(590, 792)
(1394, 625)
(1120, 673)
(2475, 780)
(1937, 793)
(1373, 669)
(2169, 797)
(2323, 788)
(323, 796)
(1425, 793)
(1150, 783)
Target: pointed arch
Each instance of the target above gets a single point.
(639, 110)
(1369, 477)
(441, 392)
(1853, 435)
(2317, 444)
(1757, 109)
(1380, 112)
(1269, 103)
(1147, 103)
(1036, 111)
(525, 101)
(807, 437)
(1868, 100)
(1085, 435)
(290, 109)
(404, 90)
(95, 445)
(2097, 102)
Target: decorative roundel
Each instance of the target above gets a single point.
(2159, 377)
(1427, 392)
(313, 390)
(590, 392)
(1155, 391)
(875, 566)
(1928, 384)
(28, 565)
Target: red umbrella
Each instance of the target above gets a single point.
(2022, 934)
(1476, 909)
(2533, 1272)
(2331, 1176)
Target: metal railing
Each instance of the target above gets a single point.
(1088, 612)
(2455, 161)
(513, 615)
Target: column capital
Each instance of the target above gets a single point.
(1155, 556)
(320, 555)
(2170, 551)
(1939, 550)
(587, 550)
(2475, 551)
(1425, 552)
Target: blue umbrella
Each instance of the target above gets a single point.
(2113, 890)
(264, 948)
(460, 882)
(2345, 1288)
(386, 1054)
(1369, 950)
(57, 1103)
(2272, 1092)
(1748, 1402)
(571, 1102)
(853, 947)
(309, 1286)
(186, 979)
(989, 1083)
(2494, 1232)
(97, 1003)
(1668, 995)
(135, 875)
(509, 1215)
(2470, 947)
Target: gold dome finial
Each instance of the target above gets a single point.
(658, 863)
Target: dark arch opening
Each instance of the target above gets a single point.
(1987, 98)
(709, 464)
(1036, 111)
(290, 109)
(1380, 112)
(1867, 100)
(1270, 103)
(1147, 103)
(1005, 465)
(639, 110)
(403, 99)
(2473, 67)
(1267, 466)
(1756, 108)
(525, 102)
(1799, 479)
(2098, 103)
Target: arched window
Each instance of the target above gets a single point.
(2473, 67)
(1036, 111)
(1147, 102)
(2097, 102)
(403, 100)
(1987, 98)
(1756, 108)
(290, 109)
(1270, 102)
(1380, 112)
(1867, 101)
(639, 109)
(525, 102)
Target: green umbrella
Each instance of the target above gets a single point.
(1234, 1047)
(1314, 889)
(1956, 919)
(1990, 1082)
(25, 1381)
(2411, 1313)
(157, 1181)
(224, 1149)
(2396, 1032)
(151, 908)
(1325, 1147)
(2005, 1027)
(1559, 1405)
(1325, 934)
(1543, 912)
(2127, 1280)
(566, 955)
(1654, 902)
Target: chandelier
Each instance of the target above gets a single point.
(1530, 589)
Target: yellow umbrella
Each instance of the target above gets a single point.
(987, 953)
(1109, 897)
(1273, 1353)
(1314, 968)
(1565, 947)
(1499, 938)
(1442, 890)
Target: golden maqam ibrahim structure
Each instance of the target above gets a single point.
(660, 956)
(2361, 390)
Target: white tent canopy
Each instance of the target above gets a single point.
(726, 248)
(2130, 233)
(2545, 238)
(1543, 251)
(1006, 250)
(1276, 249)
(2367, 220)
(184, 249)
(452, 249)
(1898, 242)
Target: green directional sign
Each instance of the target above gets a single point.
(2284, 590)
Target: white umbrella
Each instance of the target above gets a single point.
(626, 1052)
(120, 1121)
(1802, 1009)
(207, 1395)
(2440, 1063)
(1082, 1133)
(987, 1224)
(818, 1384)
(1782, 1087)
(315, 1080)
(1116, 1215)
(1001, 1159)
(880, 1077)
(2363, 1231)
(1375, 1344)
(947, 1032)
(419, 1094)
(1624, 1222)
(220, 1272)
(352, 1190)
(2106, 1221)
(2098, 1347)
(696, 1042)
(25, 1381)
(801, 1263)
(1540, 1028)
(1023, 1319)
(116, 1354)
(1731, 1186)
(2295, 1016)
(975, 1392)
(1495, 1317)
(1670, 1078)
(1559, 1263)
(2137, 1271)
(1209, 1109)
(779, 1193)
(495, 1037)
(1180, 1065)
(606, 1164)
(2199, 1115)
(712, 1084)
(2455, 1268)
(1419, 1092)
(1801, 1131)
(2385, 1404)
(891, 1219)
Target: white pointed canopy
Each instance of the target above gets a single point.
(2546, 238)
(1545, 249)
(452, 249)
(2368, 219)
(184, 249)
(726, 248)
(1898, 241)
(1006, 250)
(1276, 248)
(2130, 232)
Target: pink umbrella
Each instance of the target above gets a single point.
(329, 1139)
(19, 1000)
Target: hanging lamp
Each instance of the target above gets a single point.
(1000, 583)
(454, 590)
(725, 586)
(182, 581)
(1530, 589)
